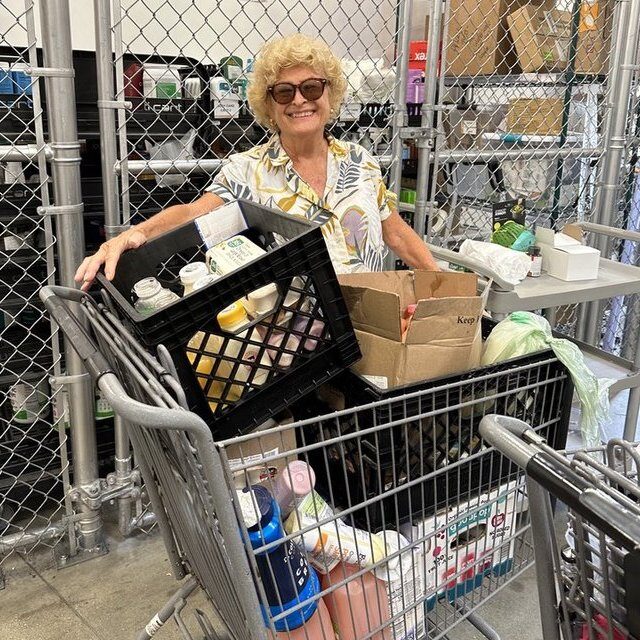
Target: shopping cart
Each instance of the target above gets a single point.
(590, 589)
(453, 511)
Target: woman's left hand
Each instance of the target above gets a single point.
(407, 244)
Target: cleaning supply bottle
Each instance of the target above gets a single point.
(190, 274)
(287, 578)
(152, 296)
(359, 606)
(295, 481)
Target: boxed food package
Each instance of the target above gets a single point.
(442, 337)
(417, 54)
(535, 116)
(467, 541)
(565, 257)
(542, 37)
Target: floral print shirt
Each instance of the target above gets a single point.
(351, 210)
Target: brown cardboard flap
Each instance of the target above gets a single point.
(444, 284)
(384, 357)
(573, 231)
(374, 311)
(445, 321)
(376, 301)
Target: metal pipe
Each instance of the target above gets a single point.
(605, 202)
(106, 116)
(24, 152)
(61, 108)
(480, 157)
(400, 110)
(123, 472)
(168, 167)
(428, 112)
(32, 537)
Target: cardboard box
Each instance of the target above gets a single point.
(535, 116)
(464, 127)
(469, 539)
(478, 37)
(542, 36)
(565, 257)
(260, 451)
(442, 338)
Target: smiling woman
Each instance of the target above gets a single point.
(296, 89)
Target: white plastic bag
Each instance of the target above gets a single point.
(173, 149)
(510, 265)
(523, 332)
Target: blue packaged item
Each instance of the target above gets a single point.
(6, 84)
(285, 573)
(21, 83)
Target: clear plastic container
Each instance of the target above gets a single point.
(152, 296)
(28, 401)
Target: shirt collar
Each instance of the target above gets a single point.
(277, 156)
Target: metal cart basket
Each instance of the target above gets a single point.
(590, 589)
(416, 574)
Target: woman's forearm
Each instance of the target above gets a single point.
(407, 244)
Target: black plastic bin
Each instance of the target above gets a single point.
(316, 338)
(439, 458)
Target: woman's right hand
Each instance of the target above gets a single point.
(108, 254)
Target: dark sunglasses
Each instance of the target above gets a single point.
(285, 92)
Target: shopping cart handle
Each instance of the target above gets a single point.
(79, 338)
(470, 263)
(511, 437)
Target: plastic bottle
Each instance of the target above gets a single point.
(204, 367)
(263, 301)
(330, 543)
(295, 481)
(301, 324)
(234, 319)
(103, 409)
(404, 580)
(152, 296)
(190, 274)
(359, 606)
(205, 281)
(28, 402)
(287, 578)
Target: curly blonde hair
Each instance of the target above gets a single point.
(293, 51)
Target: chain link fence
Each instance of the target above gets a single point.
(34, 466)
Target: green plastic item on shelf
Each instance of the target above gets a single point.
(507, 233)
(231, 67)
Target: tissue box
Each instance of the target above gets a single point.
(565, 257)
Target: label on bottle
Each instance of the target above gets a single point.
(535, 268)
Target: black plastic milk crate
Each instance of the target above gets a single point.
(438, 457)
(307, 337)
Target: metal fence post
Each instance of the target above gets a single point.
(68, 213)
(107, 106)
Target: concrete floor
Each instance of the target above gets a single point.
(114, 596)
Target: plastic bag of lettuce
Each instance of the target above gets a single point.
(523, 332)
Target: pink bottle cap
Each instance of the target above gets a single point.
(299, 477)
